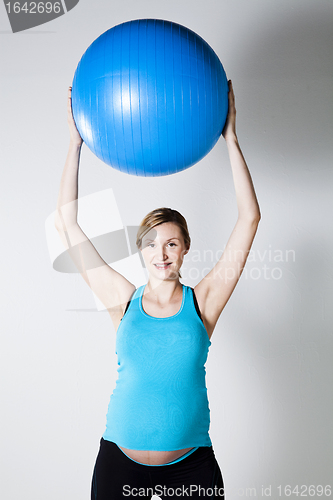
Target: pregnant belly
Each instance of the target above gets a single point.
(154, 457)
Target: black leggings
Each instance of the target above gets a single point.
(117, 477)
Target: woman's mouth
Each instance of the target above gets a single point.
(162, 266)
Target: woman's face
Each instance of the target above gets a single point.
(163, 250)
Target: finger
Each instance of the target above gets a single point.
(69, 109)
(231, 94)
(69, 102)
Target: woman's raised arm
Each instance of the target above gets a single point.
(110, 287)
(215, 289)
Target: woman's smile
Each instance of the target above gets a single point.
(163, 266)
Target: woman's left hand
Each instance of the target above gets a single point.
(229, 130)
(74, 133)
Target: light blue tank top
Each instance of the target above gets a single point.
(160, 400)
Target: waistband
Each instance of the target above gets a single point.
(160, 465)
(198, 453)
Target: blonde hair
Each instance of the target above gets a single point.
(160, 216)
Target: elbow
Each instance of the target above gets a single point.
(57, 223)
(64, 224)
(255, 214)
(252, 218)
(256, 219)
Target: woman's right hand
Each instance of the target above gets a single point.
(74, 133)
(229, 130)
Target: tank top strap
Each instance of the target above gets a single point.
(196, 305)
(135, 295)
(191, 302)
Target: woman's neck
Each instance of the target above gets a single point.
(163, 291)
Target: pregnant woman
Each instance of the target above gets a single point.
(157, 440)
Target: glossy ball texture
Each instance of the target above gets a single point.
(150, 97)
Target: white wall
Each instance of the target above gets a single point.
(269, 371)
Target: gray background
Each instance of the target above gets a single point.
(269, 372)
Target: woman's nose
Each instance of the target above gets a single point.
(161, 253)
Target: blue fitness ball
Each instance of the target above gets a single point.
(150, 97)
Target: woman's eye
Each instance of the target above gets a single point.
(172, 244)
